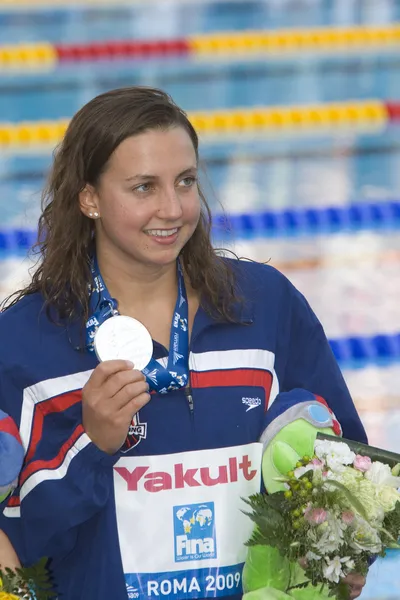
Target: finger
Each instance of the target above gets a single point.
(355, 580)
(108, 368)
(129, 393)
(136, 404)
(118, 381)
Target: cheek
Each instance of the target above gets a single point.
(121, 212)
(192, 209)
(112, 206)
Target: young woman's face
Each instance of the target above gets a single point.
(147, 197)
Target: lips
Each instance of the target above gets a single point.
(162, 232)
(163, 237)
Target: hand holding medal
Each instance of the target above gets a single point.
(114, 393)
(117, 389)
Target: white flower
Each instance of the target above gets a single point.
(349, 563)
(335, 454)
(330, 476)
(312, 556)
(376, 500)
(330, 535)
(362, 489)
(387, 498)
(333, 569)
(299, 472)
(380, 474)
(350, 477)
(365, 537)
(312, 466)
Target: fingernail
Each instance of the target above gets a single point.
(130, 364)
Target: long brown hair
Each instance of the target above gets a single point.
(66, 235)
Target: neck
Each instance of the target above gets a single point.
(136, 284)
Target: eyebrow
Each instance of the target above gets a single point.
(149, 177)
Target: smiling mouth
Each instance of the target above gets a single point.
(161, 232)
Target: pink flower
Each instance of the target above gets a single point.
(316, 462)
(347, 517)
(362, 463)
(316, 516)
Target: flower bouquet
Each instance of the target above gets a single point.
(336, 511)
(31, 583)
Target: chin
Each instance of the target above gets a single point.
(163, 259)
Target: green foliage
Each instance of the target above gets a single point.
(392, 521)
(30, 583)
(342, 591)
(268, 514)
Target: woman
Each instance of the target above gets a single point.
(131, 483)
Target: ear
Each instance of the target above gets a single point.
(88, 202)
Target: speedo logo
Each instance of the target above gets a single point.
(140, 479)
(251, 403)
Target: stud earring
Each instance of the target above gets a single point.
(96, 214)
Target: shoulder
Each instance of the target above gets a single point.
(36, 348)
(26, 311)
(252, 277)
(270, 291)
(20, 326)
(27, 328)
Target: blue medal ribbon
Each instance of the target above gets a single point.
(159, 378)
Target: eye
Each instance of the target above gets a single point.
(188, 182)
(143, 188)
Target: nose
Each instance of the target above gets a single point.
(170, 206)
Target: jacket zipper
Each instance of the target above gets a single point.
(188, 389)
(189, 398)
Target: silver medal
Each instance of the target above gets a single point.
(124, 338)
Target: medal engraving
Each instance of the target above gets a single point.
(124, 338)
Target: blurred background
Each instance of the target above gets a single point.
(296, 103)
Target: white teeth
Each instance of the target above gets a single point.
(161, 232)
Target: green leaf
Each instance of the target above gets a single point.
(396, 470)
(343, 591)
(392, 521)
(269, 513)
(34, 579)
(299, 586)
